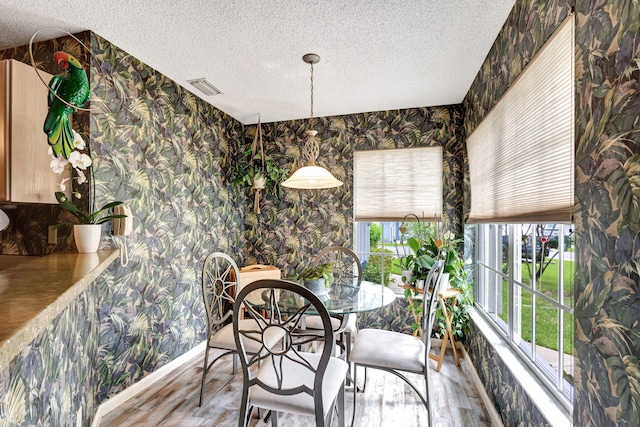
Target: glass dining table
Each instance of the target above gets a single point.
(345, 298)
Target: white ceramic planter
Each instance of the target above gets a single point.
(316, 286)
(407, 275)
(87, 237)
(444, 282)
(259, 183)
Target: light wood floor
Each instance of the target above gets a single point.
(387, 401)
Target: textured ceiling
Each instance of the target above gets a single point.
(375, 54)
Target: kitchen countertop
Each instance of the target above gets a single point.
(35, 291)
(8, 261)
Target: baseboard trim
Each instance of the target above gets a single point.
(146, 382)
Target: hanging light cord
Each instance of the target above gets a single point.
(312, 93)
(311, 149)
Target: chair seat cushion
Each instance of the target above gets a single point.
(387, 349)
(295, 374)
(315, 322)
(224, 338)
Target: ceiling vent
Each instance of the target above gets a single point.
(205, 87)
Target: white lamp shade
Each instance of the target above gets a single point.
(313, 178)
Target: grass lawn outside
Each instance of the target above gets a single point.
(546, 313)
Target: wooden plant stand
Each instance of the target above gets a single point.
(449, 294)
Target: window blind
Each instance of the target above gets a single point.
(521, 156)
(388, 184)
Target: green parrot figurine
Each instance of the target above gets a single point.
(73, 87)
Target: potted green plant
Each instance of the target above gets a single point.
(406, 265)
(87, 232)
(423, 260)
(98, 217)
(258, 171)
(457, 278)
(249, 171)
(318, 278)
(426, 251)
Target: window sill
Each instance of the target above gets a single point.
(549, 406)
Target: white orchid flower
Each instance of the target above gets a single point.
(58, 164)
(81, 177)
(79, 161)
(63, 186)
(78, 142)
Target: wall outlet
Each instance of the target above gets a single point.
(52, 235)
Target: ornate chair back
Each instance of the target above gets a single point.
(280, 377)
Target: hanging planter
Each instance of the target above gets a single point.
(258, 179)
(259, 171)
(259, 182)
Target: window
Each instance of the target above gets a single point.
(377, 247)
(521, 172)
(388, 184)
(524, 284)
(380, 244)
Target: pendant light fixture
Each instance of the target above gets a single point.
(312, 176)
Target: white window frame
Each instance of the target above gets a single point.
(489, 242)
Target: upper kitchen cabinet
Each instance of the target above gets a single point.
(26, 176)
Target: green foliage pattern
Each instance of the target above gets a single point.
(167, 155)
(607, 238)
(294, 228)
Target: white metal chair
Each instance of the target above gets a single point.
(220, 280)
(283, 378)
(396, 352)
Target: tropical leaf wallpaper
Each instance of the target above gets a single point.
(607, 307)
(607, 302)
(509, 398)
(166, 154)
(528, 26)
(291, 230)
(55, 375)
(525, 31)
(169, 156)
